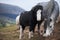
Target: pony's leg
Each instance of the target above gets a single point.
(18, 26)
(45, 28)
(31, 30)
(42, 28)
(20, 36)
(30, 34)
(17, 22)
(39, 23)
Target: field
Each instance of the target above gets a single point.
(10, 33)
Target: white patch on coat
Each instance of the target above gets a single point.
(39, 15)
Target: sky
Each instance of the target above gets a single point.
(25, 4)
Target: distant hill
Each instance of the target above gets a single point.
(6, 9)
(8, 13)
(13, 16)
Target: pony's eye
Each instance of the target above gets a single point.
(50, 20)
(50, 26)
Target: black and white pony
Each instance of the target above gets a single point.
(51, 20)
(30, 18)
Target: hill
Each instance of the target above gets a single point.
(8, 13)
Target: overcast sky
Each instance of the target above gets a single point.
(25, 4)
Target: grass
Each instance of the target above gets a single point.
(10, 33)
(6, 29)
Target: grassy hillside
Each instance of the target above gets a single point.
(6, 21)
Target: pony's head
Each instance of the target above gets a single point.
(37, 10)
